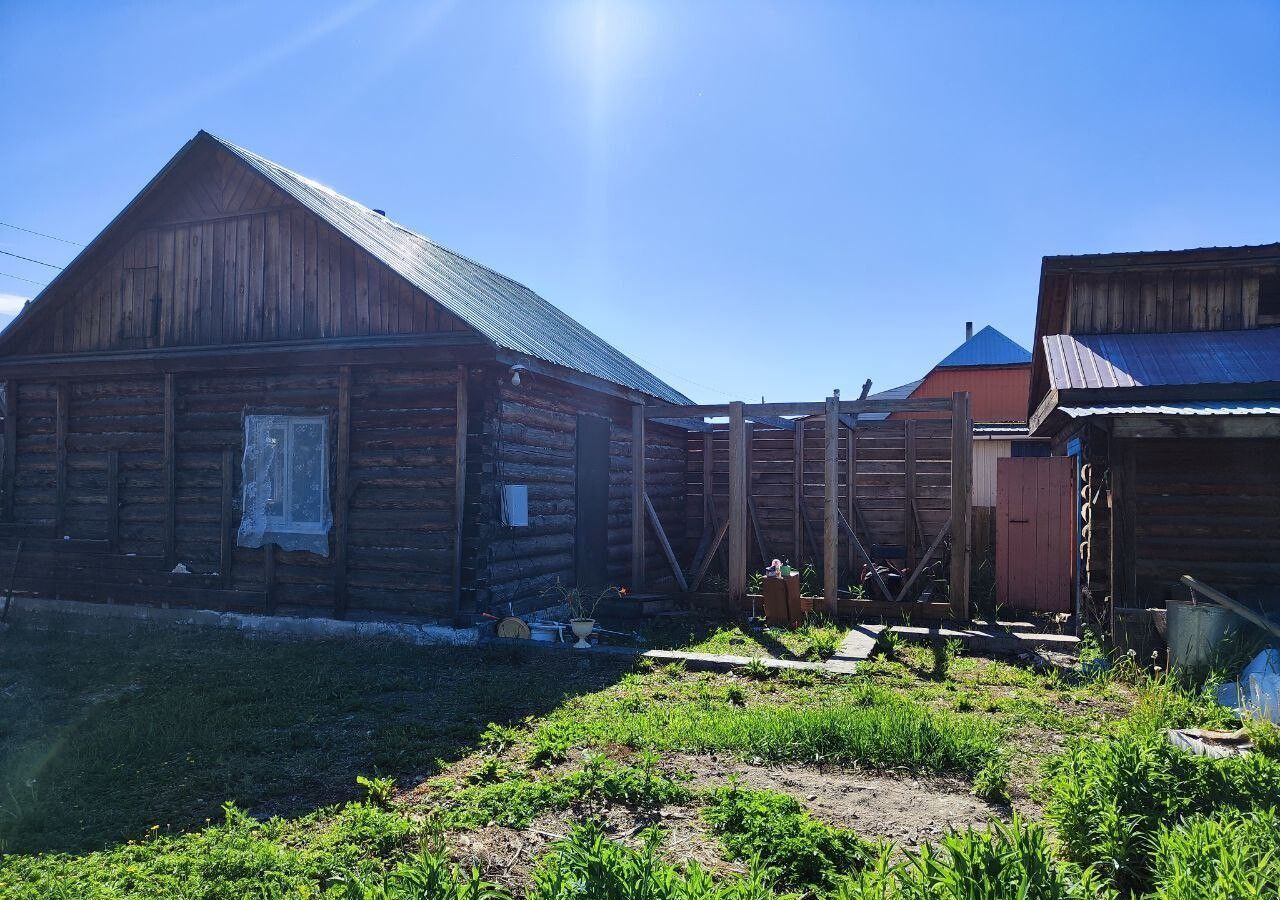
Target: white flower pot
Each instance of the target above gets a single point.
(582, 629)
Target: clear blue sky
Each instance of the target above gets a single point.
(749, 198)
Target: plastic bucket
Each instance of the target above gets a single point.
(1195, 630)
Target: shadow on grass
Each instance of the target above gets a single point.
(715, 636)
(104, 735)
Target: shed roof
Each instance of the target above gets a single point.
(1208, 408)
(506, 312)
(988, 347)
(1085, 361)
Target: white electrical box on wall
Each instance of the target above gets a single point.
(515, 505)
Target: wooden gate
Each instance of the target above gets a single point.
(1035, 533)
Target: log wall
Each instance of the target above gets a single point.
(400, 516)
(528, 433)
(1207, 508)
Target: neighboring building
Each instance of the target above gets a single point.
(996, 371)
(1160, 373)
(310, 408)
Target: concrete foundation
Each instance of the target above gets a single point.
(49, 612)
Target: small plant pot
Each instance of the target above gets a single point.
(582, 629)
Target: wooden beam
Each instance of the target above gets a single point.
(1124, 564)
(755, 529)
(342, 492)
(7, 483)
(797, 485)
(60, 458)
(961, 503)
(461, 426)
(711, 554)
(850, 503)
(1210, 427)
(866, 557)
(448, 347)
(113, 500)
(924, 561)
(637, 497)
(665, 545)
(708, 482)
(910, 516)
(269, 577)
(830, 508)
(737, 502)
(847, 408)
(169, 472)
(226, 531)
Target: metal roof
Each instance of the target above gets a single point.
(988, 347)
(901, 392)
(1225, 408)
(506, 312)
(1143, 360)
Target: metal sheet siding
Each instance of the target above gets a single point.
(504, 311)
(996, 394)
(985, 454)
(1143, 360)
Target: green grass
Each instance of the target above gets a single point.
(865, 725)
(104, 736)
(817, 639)
(116, 749)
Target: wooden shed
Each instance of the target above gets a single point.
(250, 392)
(1159, 373)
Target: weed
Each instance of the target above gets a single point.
(588, 866)
(490, 771)
(1264, 735)
(777, 832)
(427, 874)
(495, 738)
(377, 790)
(992, 781)
(756, 670)
(1002, 863)
(889, 644)
(944, 653)
(735, 695)
(1233, 855)
(1109, 798)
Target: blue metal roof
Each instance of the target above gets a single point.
(1077, 361)
(988, 347)
(501, 309)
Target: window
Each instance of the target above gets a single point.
(1269, 300)
(286, 483)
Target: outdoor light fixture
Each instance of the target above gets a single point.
(515, 374)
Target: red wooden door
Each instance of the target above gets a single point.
(1035, 533)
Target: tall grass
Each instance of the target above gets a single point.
(1232, 856)
(876, 729)
(1007, 862)
(1110, 798)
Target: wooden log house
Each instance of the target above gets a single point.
(428, 439)
(1160, 373)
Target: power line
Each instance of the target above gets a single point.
(41, 234)
(30, 260)
(20, 278)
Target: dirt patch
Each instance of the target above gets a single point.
(903, 808)
(507, 855)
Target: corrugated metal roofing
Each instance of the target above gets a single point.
(988, 347)
(1143, 360)
(901, 392)
(504, 311)
(1209, 408)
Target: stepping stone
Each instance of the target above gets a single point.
(857, 646)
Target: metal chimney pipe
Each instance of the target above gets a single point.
(968, 330)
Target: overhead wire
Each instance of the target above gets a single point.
(51, 237)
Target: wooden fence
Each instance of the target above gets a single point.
(828, 489)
